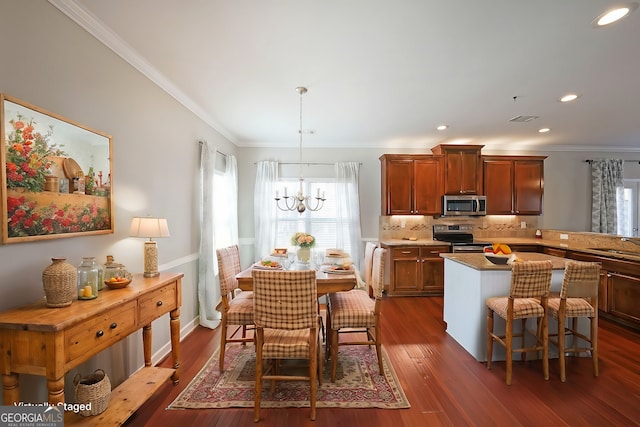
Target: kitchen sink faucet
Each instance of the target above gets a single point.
(626, 239)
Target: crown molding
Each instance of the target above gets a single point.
(106, 36)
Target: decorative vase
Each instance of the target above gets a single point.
(304, 255)
(59, 281)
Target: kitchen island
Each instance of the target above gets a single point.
(469, 279)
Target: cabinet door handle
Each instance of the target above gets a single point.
(113, 325)
(99, 333)
(159, 303)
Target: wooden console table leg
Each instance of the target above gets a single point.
(56, 390)
(174, 324)
(10, 389)
(146, 344)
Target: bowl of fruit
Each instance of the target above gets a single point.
(498, 253)
(118, 282)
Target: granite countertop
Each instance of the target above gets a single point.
(585, 245)
(418, 242)
(479, 262)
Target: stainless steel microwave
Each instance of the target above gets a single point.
(466, 205)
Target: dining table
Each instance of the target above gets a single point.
(326, 282)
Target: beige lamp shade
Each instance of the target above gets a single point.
(149, 227)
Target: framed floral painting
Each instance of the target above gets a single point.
(56, 175)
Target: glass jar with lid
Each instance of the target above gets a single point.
(88, 277)
(113, 269)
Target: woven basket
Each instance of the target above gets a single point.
(59, 281)
(94, 389)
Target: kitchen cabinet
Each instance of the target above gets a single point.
(462, 168)
(513, 184)
(417, 270)
(555, 252)
(515, 247)
(619, 290)
(411, 184)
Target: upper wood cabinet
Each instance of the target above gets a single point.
(411, 184)
(513, 185)
(463, 168)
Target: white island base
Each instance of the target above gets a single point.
(469, 279)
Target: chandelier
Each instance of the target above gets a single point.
(299, 202)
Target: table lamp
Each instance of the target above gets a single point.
(149, 227)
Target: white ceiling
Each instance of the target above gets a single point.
(384, 73)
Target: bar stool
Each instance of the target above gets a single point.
(578, 298)
(528, 297)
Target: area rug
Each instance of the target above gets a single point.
(358, 384)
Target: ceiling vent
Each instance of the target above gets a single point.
(523, 119)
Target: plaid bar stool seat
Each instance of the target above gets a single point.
(287, 327)
(528, 296)
(355, 312)
(578, 298)
(236, 306)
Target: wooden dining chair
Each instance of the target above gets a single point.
(528, 298)
(369, 248)
(236, 306)
(287, 327)
(578, 298)
(355, 312)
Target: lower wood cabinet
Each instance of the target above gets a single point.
(416, 270)
(619, 290)
(623, 294)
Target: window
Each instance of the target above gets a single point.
(223, 218)
(629, 209)
(320, 224)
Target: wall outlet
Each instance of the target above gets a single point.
(523, 224)
(564, 237)
(403, 224)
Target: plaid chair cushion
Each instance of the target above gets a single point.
(285, 299)
(228, 267)
(522, 307)
(280, 344)
(580, 279)
(352, 309)
(531, 279)
(241, 309)
(576, 307)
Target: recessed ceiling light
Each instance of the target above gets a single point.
(614, 15)
(569, 97)
(442, 127)
(544, 130)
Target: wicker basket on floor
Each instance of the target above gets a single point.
(94, 389)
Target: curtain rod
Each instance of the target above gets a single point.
(630, 161)
(217, 151)
(308, 163)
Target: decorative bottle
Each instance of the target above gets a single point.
(59, 282)
(88, 276)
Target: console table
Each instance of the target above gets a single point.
(39, 340)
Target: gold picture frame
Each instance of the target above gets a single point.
(56, 175)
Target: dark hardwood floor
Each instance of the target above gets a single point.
(444, 384)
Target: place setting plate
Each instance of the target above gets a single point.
(336, 270)
(262, 266)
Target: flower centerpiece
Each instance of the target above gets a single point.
(304, 242)
(27, 151)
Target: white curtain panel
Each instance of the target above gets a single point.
(208, 287)
(607, 189)
(348, 209)
(264, 207)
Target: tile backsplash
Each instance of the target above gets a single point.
(404, 226)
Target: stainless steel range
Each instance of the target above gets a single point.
(460, 236)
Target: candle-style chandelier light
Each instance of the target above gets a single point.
(299, 202)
